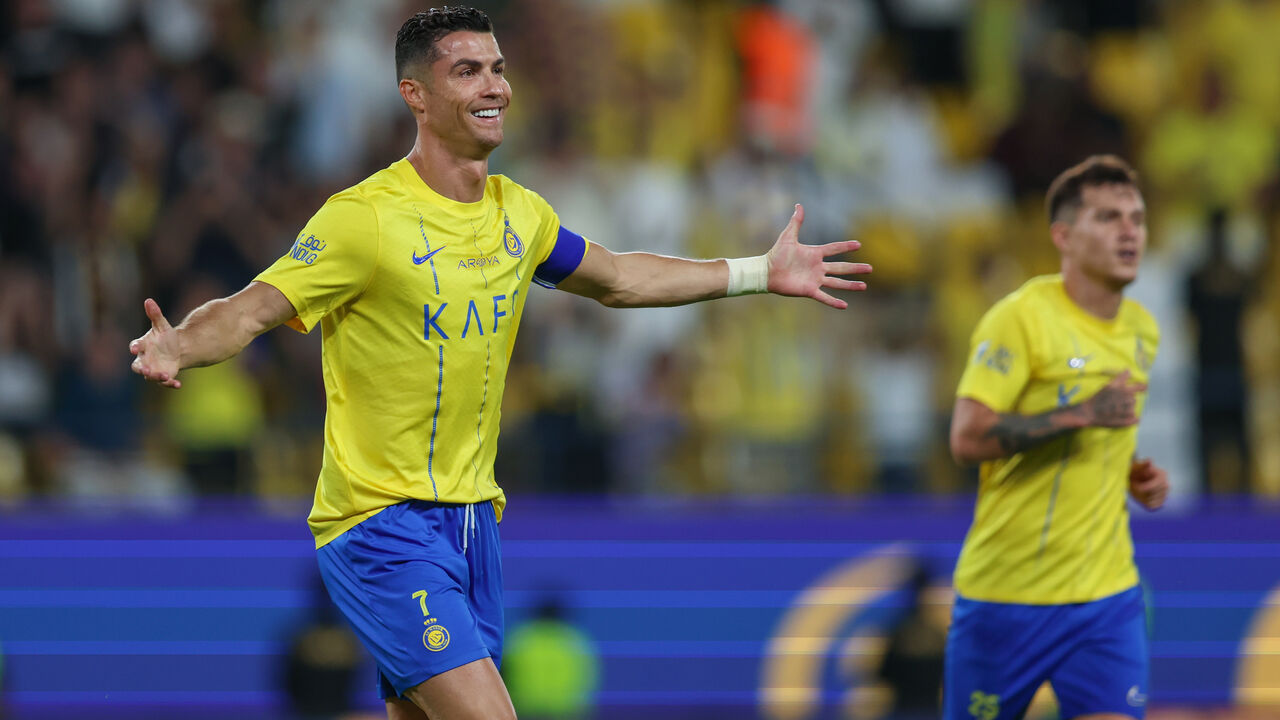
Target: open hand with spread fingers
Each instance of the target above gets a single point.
(157, 354)
(801, 270)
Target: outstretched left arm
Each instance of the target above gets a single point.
(1148, 483)
(646, 280)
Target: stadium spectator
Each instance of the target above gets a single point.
(1217, 294)
(552, 667)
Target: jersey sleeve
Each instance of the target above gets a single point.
(999, 363)
(565, 257)
(330, 263)
(559, 250)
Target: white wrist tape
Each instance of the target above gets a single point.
(748, 276)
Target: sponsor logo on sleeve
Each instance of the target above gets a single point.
(307, 248)
(1000, 359)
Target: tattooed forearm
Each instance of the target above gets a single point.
(1016, 433)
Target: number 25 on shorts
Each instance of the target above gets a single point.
(983, 706)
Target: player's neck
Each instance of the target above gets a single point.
(1094, 297)
(457, 178)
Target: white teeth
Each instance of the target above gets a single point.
(486, 113)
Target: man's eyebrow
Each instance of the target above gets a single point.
(471, 63)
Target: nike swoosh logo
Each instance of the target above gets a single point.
(419, 260)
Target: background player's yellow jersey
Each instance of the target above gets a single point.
(1052, 524)
(418, 298)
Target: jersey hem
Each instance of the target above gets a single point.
(1048, 598)
(333, 529)
(332, 532)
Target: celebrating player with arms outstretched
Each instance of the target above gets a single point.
(1049, 404)
(417, 278)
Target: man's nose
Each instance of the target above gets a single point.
(496, 85)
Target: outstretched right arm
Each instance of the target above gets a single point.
(212, 332)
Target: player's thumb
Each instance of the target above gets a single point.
(797, 218)
(157, 318)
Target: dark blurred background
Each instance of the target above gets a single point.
(173, 148)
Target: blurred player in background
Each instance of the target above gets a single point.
(417, 278)
(1049, 404)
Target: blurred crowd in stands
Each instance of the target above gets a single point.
(173, 148)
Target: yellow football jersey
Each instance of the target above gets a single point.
(418, 298)
(1051, 524)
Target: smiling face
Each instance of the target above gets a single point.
(1104, 239)
(465, 95)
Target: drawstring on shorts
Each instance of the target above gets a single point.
(468, 521)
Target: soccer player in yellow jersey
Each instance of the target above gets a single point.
(417, 278)
(1049, 404)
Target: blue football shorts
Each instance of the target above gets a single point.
(1094, 654)
(421, 584)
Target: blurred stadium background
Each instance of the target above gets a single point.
(734, 505)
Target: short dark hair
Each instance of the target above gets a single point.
(416, 40)
(1066, 193)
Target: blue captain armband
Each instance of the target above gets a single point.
(565, 257)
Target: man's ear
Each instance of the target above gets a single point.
(413, 93)
(1058, 233)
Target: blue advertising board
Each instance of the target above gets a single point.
(774, 608)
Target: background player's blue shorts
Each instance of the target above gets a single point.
(421, 584)
(1094, 654)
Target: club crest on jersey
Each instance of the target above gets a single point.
(435, 638)
(510, 240)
